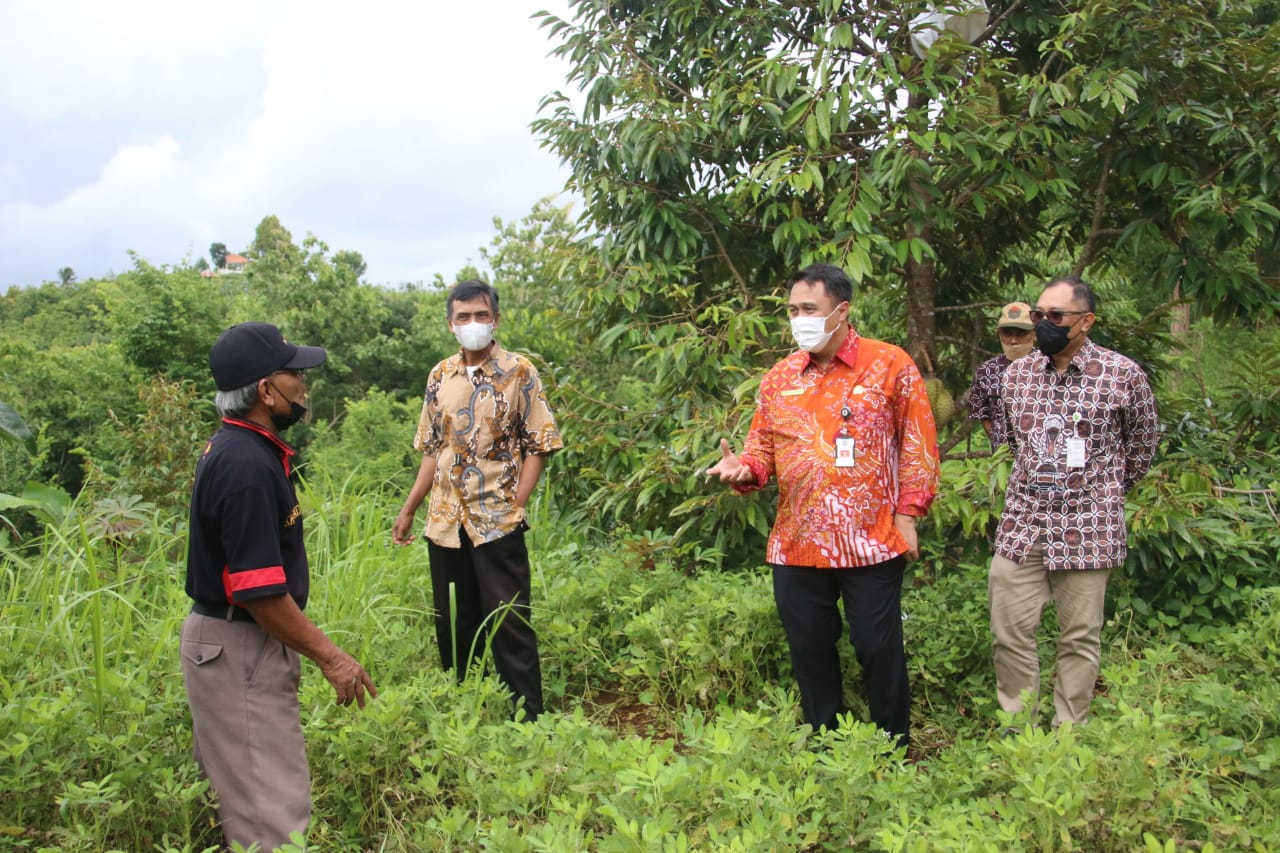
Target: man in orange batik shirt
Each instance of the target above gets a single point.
(845, 425)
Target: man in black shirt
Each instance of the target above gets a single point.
(248, 579)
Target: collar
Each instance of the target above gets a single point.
(848, 352)
(457, 363)
(1087, 352)
(286, 452)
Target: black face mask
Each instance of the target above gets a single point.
(297, 412)
(1051, 338)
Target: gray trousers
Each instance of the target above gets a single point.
(247, 731)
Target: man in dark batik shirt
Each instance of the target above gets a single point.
(1017, 339)
(1082, 424)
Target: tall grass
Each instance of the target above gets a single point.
(674, 723)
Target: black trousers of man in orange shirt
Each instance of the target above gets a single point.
(807, 600)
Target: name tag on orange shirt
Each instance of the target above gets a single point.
(790, 392)
(844, 451)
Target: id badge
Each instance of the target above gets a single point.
(1075, 452)
(844, 451)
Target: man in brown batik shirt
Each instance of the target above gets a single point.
(1082, 424)
(484, 434)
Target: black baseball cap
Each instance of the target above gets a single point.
(246, 352)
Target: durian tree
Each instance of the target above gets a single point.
(719, 146)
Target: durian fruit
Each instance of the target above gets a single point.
(940, 400)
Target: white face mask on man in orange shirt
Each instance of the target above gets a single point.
(810, 333)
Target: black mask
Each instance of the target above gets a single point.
(1051, 338)
(297, 412)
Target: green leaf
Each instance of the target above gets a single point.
(811, 135)
(14, 428)
(822, 114)
(796, 111)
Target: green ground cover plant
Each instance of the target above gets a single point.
(675, 724)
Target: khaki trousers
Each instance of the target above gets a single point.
(1018, 595)
(246, 728)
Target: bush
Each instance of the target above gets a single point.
(1183, 745)
(1203, 523)
(370, 448)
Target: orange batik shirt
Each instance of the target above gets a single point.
(839, 516)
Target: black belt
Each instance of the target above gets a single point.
(219, 611)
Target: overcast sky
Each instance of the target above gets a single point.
(397, 129)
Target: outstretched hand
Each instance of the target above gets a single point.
(730, 469)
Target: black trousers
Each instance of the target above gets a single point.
(490, 603)
(807, 600)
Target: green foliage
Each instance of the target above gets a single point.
(718, 148)
(374, 336)
(164, 322)
(675, 725)
(276, 259)
(65, 395)
(56, 315)
(534, 264)
(638, 619)
(13, 427)
(371, 447)
(1203, 523)
(949, 646)
(154, 454)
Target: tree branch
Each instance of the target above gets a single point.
(995, 25)
(724, 255)
(1099, 208)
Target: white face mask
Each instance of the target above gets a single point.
(811, 333)
(474, 336)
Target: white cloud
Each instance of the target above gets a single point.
(395, 129)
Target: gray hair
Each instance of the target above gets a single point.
(237, 402)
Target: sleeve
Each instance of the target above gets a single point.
(251, 541)
(980, 395)
(757, 452)
(537, 428)
(1140, 428)
(428, 439)
(917, 442)
(1001, 411)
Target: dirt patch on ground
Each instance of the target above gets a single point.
(628, 716)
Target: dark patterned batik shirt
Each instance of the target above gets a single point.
(1081, 440)
(984, 397)
(479, 426)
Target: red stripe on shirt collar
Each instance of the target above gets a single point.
(286, 452)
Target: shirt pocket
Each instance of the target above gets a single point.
(869, 410)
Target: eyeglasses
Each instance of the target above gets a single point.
(296, 373)
(1055, 316)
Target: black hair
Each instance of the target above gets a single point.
(465, 291)
(834, 281)
(1081, 291)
